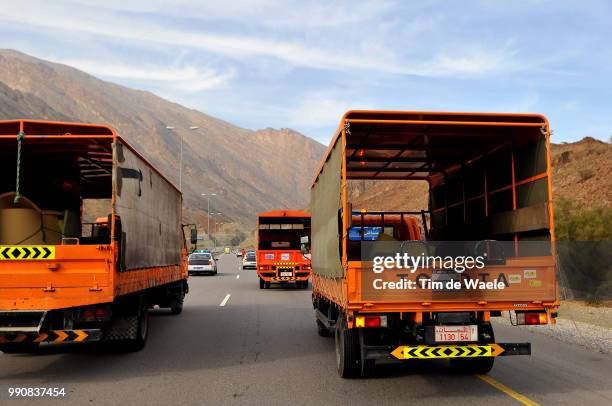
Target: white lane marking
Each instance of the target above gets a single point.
(224, 302)
(237, 276)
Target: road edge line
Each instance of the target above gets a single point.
(510, 392)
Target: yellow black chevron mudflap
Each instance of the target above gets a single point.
(26, 252)
(448, 351)
(52, 337)
(284, 278)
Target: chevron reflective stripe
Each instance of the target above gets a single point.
(284, 278)
(52, 337)
(61, 336)
(13, 338)
(26, 252)
(447, 351)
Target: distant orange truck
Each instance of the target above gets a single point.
(65, 278)
(280, 254)
(490, 202)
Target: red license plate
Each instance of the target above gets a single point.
(445, 334)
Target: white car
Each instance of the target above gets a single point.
(249, 261)
(202, 263)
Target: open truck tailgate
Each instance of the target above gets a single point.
(69, 275)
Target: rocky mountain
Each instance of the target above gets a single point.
(581, 172)
(250, 171)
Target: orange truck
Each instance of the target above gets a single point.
(90, 237)
(281, 256)
(425, 284)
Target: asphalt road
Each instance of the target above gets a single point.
(261, 347)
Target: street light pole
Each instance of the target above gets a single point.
(215, 216)
(171, 128)
(208, 196)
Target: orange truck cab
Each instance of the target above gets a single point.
(87, 245)
(282, 254)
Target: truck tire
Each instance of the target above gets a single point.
(347, 351)
(262, 284)
(142, 333)
(177, 309)
(128, 332)
(481, 365)
(178, 298)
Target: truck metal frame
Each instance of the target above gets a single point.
(83, 290)
(463, 158)
(273, 261)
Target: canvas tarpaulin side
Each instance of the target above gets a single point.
(326, 200)
(149, 210)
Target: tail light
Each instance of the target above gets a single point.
(370, 321)
(531, 318)
(93, 314)
(88, 315)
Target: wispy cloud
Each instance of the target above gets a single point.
(185, 78)
(298, 53)
(260, 63)
(292, 14)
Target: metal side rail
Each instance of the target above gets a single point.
(330, 324)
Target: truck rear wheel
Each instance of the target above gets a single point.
(178, 309)
(480, 365)
(177, 299)
(347, 351)
(262, 284)
(142, 333)
(129, 332)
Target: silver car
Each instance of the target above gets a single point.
(201, 264)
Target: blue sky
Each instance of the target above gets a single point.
(301, 64)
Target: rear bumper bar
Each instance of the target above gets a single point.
(404, 352)
(284, 278)
(52, 337)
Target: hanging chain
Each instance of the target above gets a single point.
(20, 137)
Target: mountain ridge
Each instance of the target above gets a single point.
(250, 171)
